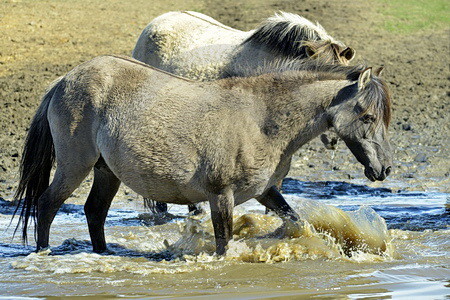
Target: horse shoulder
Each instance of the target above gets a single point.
(234, 145)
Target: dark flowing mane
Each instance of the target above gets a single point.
(287, 33)
(377, 101)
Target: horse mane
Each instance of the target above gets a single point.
(319, 68)
(376, 95)
(285, 33)
(377, 100)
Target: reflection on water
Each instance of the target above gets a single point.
(357, 241)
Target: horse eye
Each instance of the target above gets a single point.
(368, 118)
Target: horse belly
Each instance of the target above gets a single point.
(148, 176)
(155, 186)
(163, 191)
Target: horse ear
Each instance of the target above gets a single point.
(348, 53)
(378, 71)
(309, 51)
(364, 78)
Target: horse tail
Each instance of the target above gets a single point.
(38, 157)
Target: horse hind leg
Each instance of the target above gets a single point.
(67, 178)
(103, 190)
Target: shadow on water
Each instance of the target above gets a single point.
(14, 250)
(9, 207)
(116, 217)
(401, 209)
(74, 246)
(330, 189)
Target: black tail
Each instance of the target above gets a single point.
(38, 157)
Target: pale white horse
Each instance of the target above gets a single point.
(198, 47)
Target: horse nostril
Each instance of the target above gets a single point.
(388, 170)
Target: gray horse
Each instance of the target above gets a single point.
(199, 47)
(180, 141)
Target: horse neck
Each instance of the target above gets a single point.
(295, 118)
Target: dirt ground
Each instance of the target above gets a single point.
(41, 40)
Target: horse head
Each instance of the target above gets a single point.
(360, 114)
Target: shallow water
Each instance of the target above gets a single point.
(358, 242)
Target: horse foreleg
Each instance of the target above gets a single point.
(103, 190)
(274, 201)
(279, 187)
(222, 218)
(64, 183)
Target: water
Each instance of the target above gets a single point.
(401, 209)
(358, 242)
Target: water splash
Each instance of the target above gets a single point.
(188, 245)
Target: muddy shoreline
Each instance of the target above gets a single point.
(43, 40)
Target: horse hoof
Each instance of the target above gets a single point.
(105, 252)
(43, 250)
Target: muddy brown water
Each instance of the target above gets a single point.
(42, 40)
(361, 256)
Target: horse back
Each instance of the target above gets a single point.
(164, 137)
(178, 41)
